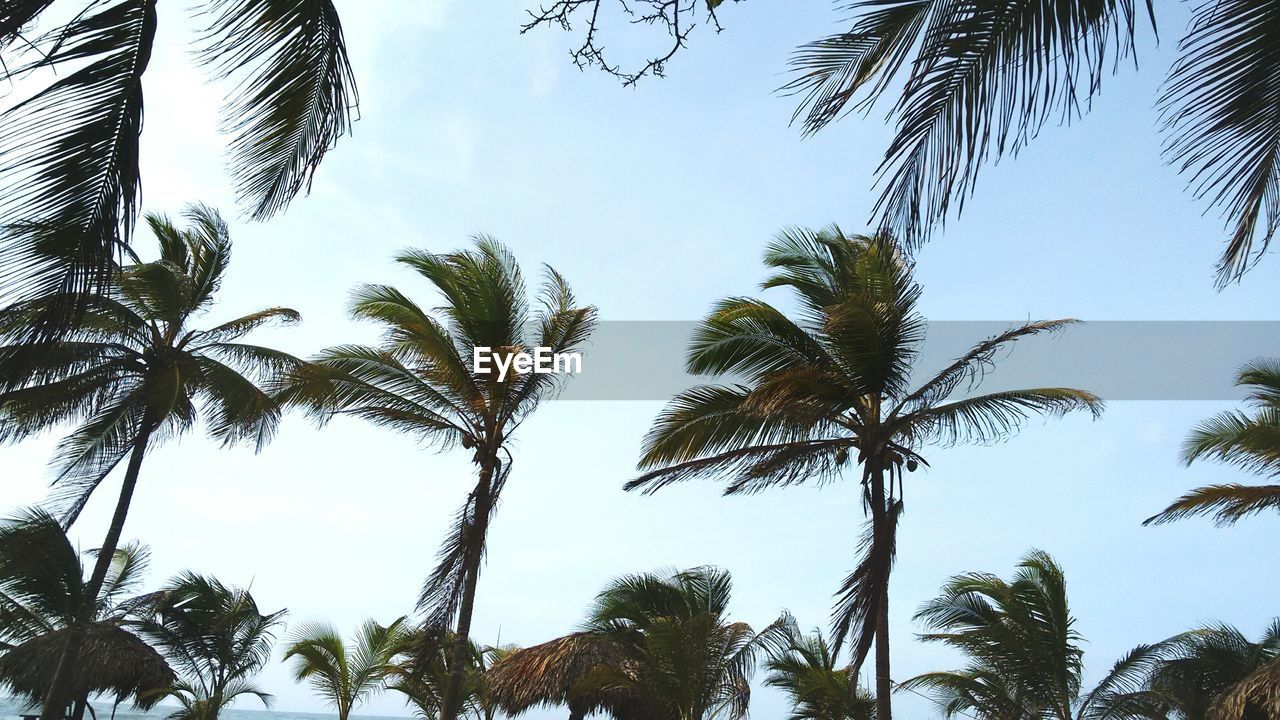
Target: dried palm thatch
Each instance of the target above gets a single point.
(114, 662)
(1257, 697)
(549, 675)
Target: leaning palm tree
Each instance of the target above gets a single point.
(1025, 660)
(42, 590)
(424, 380)
(656, 646)
(1249, 442)
(215, 637)
(345, 676)
(805, 669)
(69, 170)
(1212, 673)
(832, 387)
(135, 372)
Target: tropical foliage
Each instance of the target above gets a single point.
(965, 83)
(656, 646)
(422, 380)
(1249, 442)
(805, 669)
(42, 593)
(136, 371)
(69, 152)
(1025, 661)
(217, 640)
(422, 673)
(831, 387)
(344, 676)
(1213, 673)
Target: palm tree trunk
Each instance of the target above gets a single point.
(452, 704)
(880, 537)
(55, 700)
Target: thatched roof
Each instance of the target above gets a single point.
(545, 675)
(114, 662)
(1257, 697)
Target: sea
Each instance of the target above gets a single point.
(11, 709)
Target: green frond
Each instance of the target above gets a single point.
(295, 92)
(69, 155)
(1227, 503)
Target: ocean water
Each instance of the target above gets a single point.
(10, 709)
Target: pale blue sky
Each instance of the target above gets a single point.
(654, 202)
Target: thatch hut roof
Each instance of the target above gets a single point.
(545, 675)
(1257, 697)
(114, 662)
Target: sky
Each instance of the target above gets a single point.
(654, 202)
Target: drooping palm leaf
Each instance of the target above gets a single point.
(294, 97)
(69, 160)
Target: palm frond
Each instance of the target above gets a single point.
(295, 93)
(1227, 503)
(1221, 107)
(69, 161)
(860, 595)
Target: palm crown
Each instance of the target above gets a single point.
(805, 668)
(655, 646)
(832, 386)
(422, 380)
(1024, 654)
(1249, 442)
(217, 639)
(69, 153)
(136, 370)
(344, 675)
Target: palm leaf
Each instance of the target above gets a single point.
(1227, 503)
(69, 160)
(294, 96)
(1221, 106)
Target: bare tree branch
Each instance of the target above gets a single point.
(677, 17)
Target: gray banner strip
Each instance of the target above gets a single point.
(1117, 360)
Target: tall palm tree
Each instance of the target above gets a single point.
(423, 380)
(834, 386)
(135, 372)
(215, 637)
(656, 646)
(42, 591)
(343, 675)
(1025, 660)
(805, 669)
(69, 175)
(1250, 442)
(1212, 673)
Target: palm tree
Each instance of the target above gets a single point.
(42, 591)
(216, 638)
(345, 676)
(69, 153)
(805, 669)
(834, 386)
(423, 380)
(423, 672)
(656, 646)
(1250, 442)
(135, 372)
(1212, 673)
(1025, 660)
